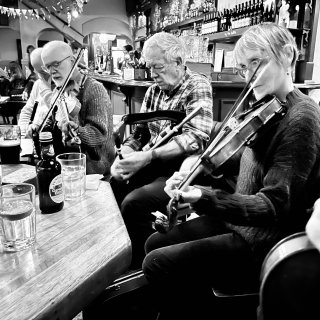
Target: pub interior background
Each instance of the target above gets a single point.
(106, 26)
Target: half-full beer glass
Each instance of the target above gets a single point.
(10, 139)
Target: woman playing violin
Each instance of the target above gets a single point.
(277, 184)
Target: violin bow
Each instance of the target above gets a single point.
(62, 89)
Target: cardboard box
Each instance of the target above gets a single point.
(134, 74)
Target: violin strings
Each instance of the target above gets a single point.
(219, 136)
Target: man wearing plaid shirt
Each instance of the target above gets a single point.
(139, 178)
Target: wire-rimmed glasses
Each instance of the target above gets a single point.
(55, 64)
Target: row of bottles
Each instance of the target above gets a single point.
(242, 15)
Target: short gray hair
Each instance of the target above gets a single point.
(267, 37)
(173, 48)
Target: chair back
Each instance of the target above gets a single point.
(11, 109)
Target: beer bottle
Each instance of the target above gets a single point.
(51, 193)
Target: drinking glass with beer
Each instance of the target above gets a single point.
(10, 139)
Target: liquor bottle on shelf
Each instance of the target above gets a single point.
(242, 15)
(222, 21)
(230, 22)
(265, 16)
(234, 17)
(247, 18)
(251, 12)
(307, 15)
(258, 18)
(51, 192)
(272, 12)
(218, 21)
(294, 20)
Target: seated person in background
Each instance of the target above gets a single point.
(16, 78)
(4, 84)
(225, 246)
(138, 179)
(84, 108)
(30, 74)
(121, 63)
(29, 83)
(41, 92)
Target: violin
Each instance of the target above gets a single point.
(236, 133)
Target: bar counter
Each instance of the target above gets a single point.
(127, 95)
(78, 252)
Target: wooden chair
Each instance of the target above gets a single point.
(126, 298)
(11, 110)
(236, 303)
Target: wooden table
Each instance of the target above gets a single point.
(79, 251)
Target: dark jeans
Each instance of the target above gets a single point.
(137, 199)
(185, 263)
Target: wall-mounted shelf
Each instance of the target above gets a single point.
(227, 36)
(141, 39)
(184, 23)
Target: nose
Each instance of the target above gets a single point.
(249, 74)
(153, 74)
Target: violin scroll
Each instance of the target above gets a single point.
(165, 223)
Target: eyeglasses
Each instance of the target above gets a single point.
(54, 65)
(253, 65)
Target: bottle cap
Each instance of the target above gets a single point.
(45, 136)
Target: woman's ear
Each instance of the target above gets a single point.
(288, 54)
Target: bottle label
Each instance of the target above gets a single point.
(48, 150)
(56, 189)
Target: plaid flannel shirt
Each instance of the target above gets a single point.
(193, 90)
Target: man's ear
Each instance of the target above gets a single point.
(179, 61)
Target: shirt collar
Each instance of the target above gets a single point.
(172, 92)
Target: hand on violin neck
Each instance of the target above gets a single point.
(189, 194)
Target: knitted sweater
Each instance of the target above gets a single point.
(279, 180)
(96, 127)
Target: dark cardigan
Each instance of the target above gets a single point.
(279, 180)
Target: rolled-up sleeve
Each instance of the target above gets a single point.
(196, 132)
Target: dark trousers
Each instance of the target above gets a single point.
(137, 199)
(194, 256)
